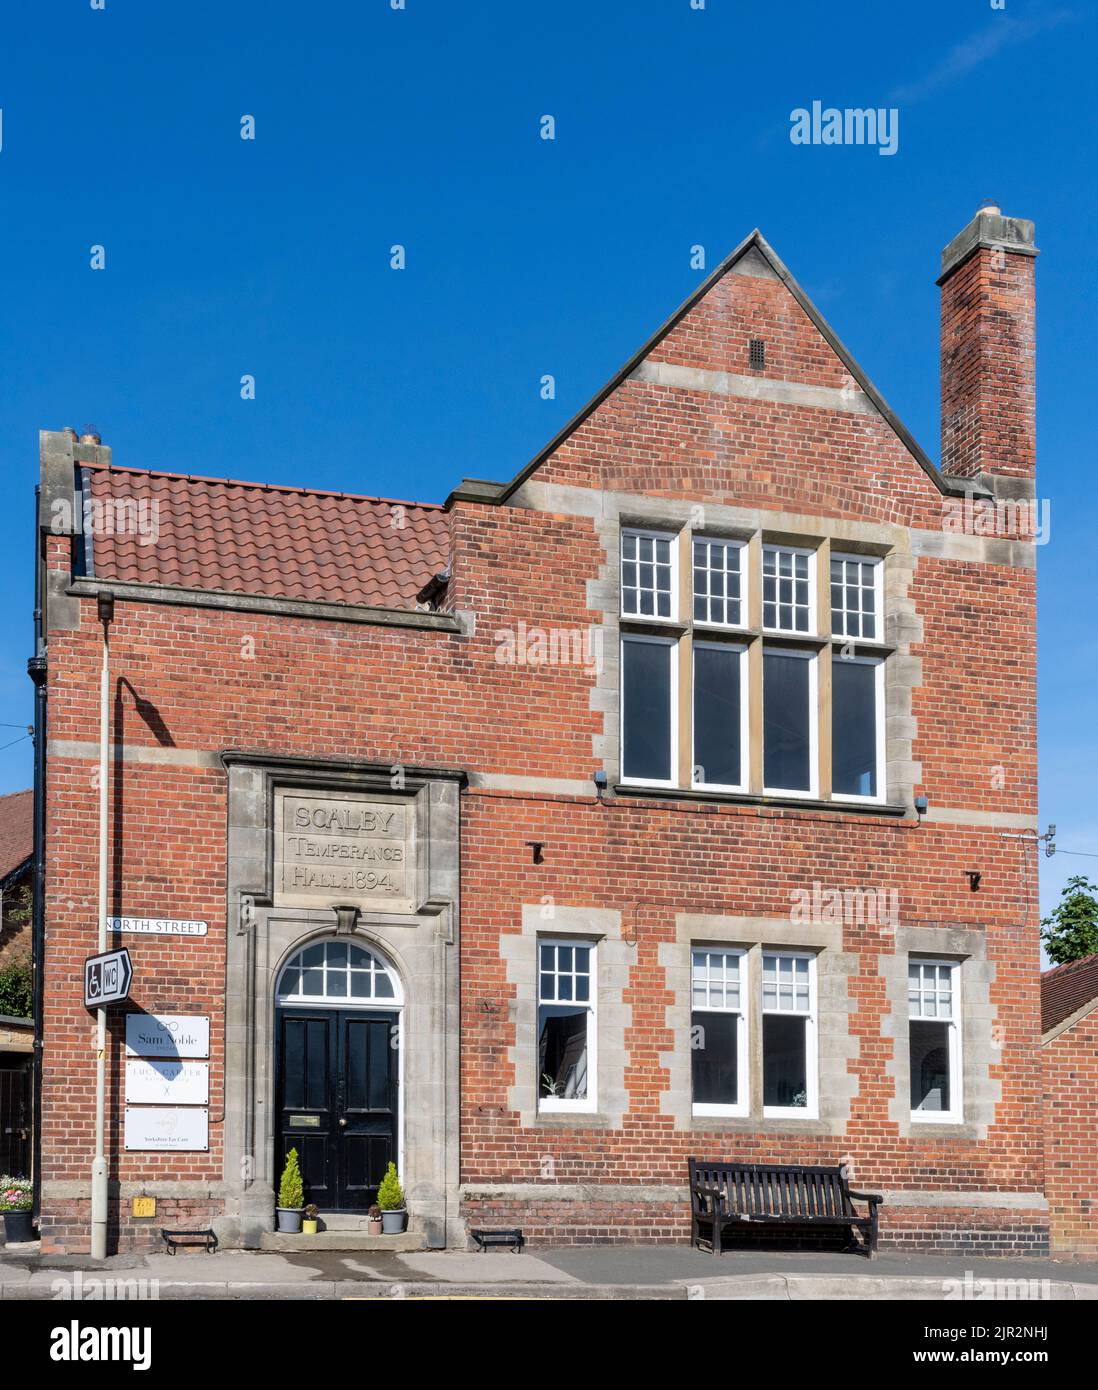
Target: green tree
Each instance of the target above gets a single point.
(291, 1194)
(15, 989)
(1071, 932)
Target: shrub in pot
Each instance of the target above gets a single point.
(374, 1215)
(309, 1219)
(16, 1201)
(390, 1198)
(291, 1196)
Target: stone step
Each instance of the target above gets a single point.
(339, 1240)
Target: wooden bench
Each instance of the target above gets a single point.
(738, 1194)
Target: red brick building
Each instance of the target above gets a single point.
(1069, 1049)
(544, 839)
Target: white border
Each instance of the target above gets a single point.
(673, 538)
(813, 792)
(652, 640)
(811, 1111)
(741, 1107)
(955, 1115)
(562, 1105)
(741, 648)
(879, 715)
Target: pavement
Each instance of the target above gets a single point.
(586, 1273)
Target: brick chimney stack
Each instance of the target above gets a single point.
(988, 403)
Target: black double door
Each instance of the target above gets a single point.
(337, 1101)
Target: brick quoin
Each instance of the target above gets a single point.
(192, 681)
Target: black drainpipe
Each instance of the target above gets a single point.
(36, 669)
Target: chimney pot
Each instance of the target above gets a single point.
(90, 437)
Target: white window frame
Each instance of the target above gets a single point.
(741, 649)
(809, 1111)
(956, 1112)
(380, 966)
(740, 1107)
(813, 792)
(565, 1105)
(673, 548)
(813, 614)
(878, 598)
(745, 582)
(655, 641)
(879, 716)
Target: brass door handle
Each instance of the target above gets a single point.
(342, 1122)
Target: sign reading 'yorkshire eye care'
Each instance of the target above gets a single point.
(344, 849)
(160, 1127)
(167, 1035)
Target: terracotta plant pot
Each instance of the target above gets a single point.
(374, 1227)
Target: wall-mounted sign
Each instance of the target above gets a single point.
(349, 848)
(166, 1081)
(175, 1128)
(167, 1035)
(107, 979)
(158, 926)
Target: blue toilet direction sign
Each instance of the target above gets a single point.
(107, 979)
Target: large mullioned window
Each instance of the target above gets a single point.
(738, 676)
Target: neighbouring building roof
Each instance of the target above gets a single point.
(16, 831)
(266, 539)
(1066, 989)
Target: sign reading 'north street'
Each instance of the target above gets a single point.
(158, 926)
(107, 979)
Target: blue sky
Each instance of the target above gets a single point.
(524, 257)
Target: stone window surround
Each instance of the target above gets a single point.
(422, 946)
(614, 960)
(979, 1048)
(902, 626)
(836, 1084)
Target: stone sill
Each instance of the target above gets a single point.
(782, 803)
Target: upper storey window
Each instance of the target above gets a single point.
(719, 577)
(647, 574)
(743, 674)
(856, 607)
(789, 585)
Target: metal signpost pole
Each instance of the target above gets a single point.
(99, 1163)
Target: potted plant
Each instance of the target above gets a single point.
(390, 1198)
(291, 1196)
(374, 1217)
(16, 1200)
(309, 1219)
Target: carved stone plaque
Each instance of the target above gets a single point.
(344, 848)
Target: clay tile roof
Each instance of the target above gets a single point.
(1066, 988)
(256, 538)
(16, 830)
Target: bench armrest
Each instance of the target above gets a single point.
(873, 1198)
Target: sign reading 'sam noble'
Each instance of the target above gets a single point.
(345, 848)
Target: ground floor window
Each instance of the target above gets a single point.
(718, 1032)
(782, 1053)
(788, 1033)
(934, 1039)
(566, 1025)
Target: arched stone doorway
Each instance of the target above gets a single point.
(338, 1078)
